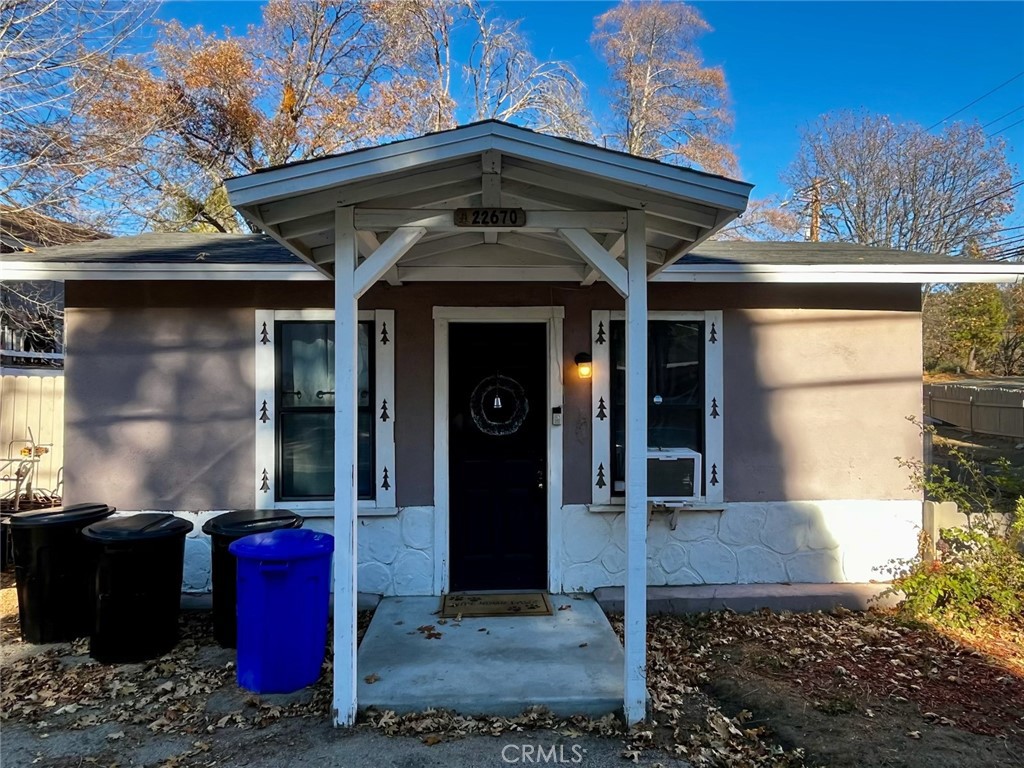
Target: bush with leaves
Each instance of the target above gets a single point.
(974, 571)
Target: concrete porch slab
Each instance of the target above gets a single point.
(570, 662)
(746, 598)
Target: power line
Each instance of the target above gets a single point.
(1000, 229)
(1006, 128)
(1015, 185)
(992, 122)
(966, 106)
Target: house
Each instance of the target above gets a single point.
(401, 358)
(32, 361)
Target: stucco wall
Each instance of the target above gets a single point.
(158, 408)
(161, 416)
(816, 403)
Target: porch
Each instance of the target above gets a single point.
(569, 662)
(482, 203)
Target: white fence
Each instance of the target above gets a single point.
(987, 409)
(33, 400)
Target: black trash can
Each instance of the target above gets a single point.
(222, 530)
(53, 568)
(139, 562)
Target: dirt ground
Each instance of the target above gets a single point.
(766, 689)
(867, 690)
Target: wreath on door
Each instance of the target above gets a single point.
(498, 405)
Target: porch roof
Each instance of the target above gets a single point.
(565, 187)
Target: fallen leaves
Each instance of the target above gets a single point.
(843, 660)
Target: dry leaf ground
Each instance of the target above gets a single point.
(854, 689)
(726, 690)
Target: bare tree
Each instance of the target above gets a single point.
(501, 78)
(509, 83)
(420, 40)
(896, 185)
(44, 46)
(666, 103)
(766, 219)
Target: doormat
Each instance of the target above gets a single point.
(512, 604)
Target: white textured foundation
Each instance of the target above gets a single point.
(747, 543)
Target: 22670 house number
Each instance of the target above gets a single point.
(490, 217)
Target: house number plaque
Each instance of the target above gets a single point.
(490, 217)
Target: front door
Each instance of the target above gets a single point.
(497, 410)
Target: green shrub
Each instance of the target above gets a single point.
(977, 570)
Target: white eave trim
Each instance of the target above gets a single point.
(847, 273)
(615, 168)
(71, 270)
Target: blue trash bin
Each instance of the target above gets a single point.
(283, 595)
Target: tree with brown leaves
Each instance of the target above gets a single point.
(666, 104)
(314, 78)
(305, 83)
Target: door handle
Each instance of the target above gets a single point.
(540, 480)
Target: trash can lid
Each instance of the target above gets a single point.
(147, 525)
(71, 515)
(243, 522)
(283, 544)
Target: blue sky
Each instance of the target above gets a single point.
(788, 62)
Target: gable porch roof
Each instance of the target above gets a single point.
(575, 196)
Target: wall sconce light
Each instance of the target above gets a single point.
(584, 365)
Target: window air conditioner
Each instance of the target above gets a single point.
(673, 475)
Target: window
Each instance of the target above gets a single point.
(295, 402)
(684, 396)
(305, 411)
(675, 390)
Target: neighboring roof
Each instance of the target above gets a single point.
(200, 256)
(162, 256)
(22, 230)
(805, 262)
(171, 248)
(805, 253)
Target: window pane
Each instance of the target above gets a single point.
(675, 385)
(306, 411)
(364, 460)
(307, 454)
(307, 365)
(675, 389)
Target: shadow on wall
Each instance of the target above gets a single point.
(817, 405)
(145, 384)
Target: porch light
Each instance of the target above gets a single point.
(584, 365)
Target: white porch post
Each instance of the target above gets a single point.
(346, 356)
(635, 630)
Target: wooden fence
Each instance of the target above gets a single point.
(33, 400)
(985, 408)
